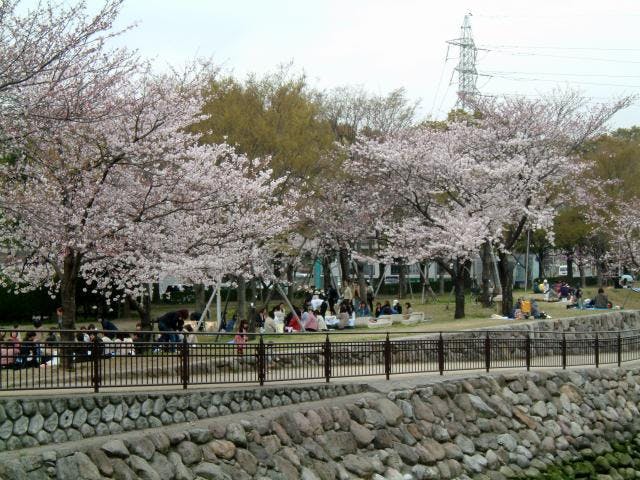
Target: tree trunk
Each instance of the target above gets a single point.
(440, 279)
(424, 274)
(487, 274)
(252, 317)
(242, 300)
(125, 312)
(326, 273)
(600, 268)
(402, 281)
(254, 290)
(201, 299)
(143, 307)
(362, 282)
(68, 284)
(380, 280)
(458, 287)
(583, 278)
(505, 270)
(290, 280)
(344, 266)
(268, 296)
(541, 273)
(569, 266)
(156, 293)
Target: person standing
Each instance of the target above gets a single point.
(333, 299)
(60, 314)
(241, 337)
(347, 294)
(370, 296)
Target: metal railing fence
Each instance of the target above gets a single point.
(137, 359)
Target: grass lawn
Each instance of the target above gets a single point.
(441, 313)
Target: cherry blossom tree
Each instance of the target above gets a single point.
(541, 139)
(101, 178)
(485, 178)
(343, 218)
(53, 64)
(122, 200)
(443, 198)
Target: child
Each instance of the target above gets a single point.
(241, 337)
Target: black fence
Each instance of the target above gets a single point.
(140, 361)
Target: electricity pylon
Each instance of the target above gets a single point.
(467, 73)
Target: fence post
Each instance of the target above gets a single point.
(564, 351)
(528, 351)
(327, 359)
(262, 363)
(487, 352)
(619, 349)
(387, 357)
(441, 354)
(185, 362)
(596, 351)
(95, 363)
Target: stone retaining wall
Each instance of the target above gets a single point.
(600, 321)
(39, 421)
(490, 427)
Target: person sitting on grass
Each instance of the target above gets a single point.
(293, 324)
(29, 351)
(343, 316)
(601, 300)
(378, 310)
(123, 345)
(397, 308)
(9, 348)
(363, 310)
(322, 325)
(270, 323)
(311, 324)
(50, 350)
(386, 308)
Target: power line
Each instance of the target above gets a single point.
(561, 17)
(524, 79)
(593, 59)
(590, 99)
(503, 72)
(435, 97)
(542, 47)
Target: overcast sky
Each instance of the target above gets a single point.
(530, 47)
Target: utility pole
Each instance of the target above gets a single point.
(467, 73)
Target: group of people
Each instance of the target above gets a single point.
(392, 309)
(40, 348)
(111, 342)
(573, 296)
(527, 308)
(28, 349)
